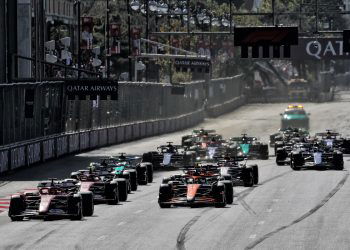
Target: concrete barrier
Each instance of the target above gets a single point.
(102, 135)
(128, 132)
(33, 153)
(93, 139)
(73, 143)
(4, 160)
(61, 145)
(17, 157)
(112, 136)
(120, 134)
(84, 140)
(143, 128)
(48, 149)
(135, 131)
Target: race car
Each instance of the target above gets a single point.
(334, 140)
(53, 199)
(296, 117)
(190, 140)
(104, 186)
(194, 189)
(316, 156)
(286, 134)
(169, 155)
(249, 147)
(141, 172)
(239, 170)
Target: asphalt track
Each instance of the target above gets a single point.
(307, 209)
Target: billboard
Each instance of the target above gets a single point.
(319, 49)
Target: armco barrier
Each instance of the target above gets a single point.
(48, 149)
(4, 160)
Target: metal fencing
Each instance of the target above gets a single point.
(60, 127)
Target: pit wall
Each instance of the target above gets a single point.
(157, 112)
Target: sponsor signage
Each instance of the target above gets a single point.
(92, 88)
(199, 65)
(260, 36)
(265, 37)
(319, 49)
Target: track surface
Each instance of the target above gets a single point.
(287, 210)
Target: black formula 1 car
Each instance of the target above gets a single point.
(239, 170)
(134, 165)
(249, 147)
(316, 156)
(287, 134)
(194, 189)
(53, 199)
(334, 140)
(169, 156)
(190, 140)
(104, 186)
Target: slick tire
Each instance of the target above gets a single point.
(122, 189)
(79, 215)
(87, 200)
(247, 177)
(115, 198)
(149, 172)
(228, 192)
(133, 180)
(255, 174)
(16, 208)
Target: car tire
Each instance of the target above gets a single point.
(16, 208)
(122, 189)
(255, 174)
(87, 201)
(115, 198)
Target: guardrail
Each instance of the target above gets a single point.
(175, 114)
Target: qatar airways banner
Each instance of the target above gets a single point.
(319, 49)
(93, 88)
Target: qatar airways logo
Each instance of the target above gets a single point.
(330, 48)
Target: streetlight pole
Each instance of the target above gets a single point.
(107, 42)
(147, 34)
(79, 34)
(129, 38)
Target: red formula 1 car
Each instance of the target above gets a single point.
(195, 187)
(54, 199)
